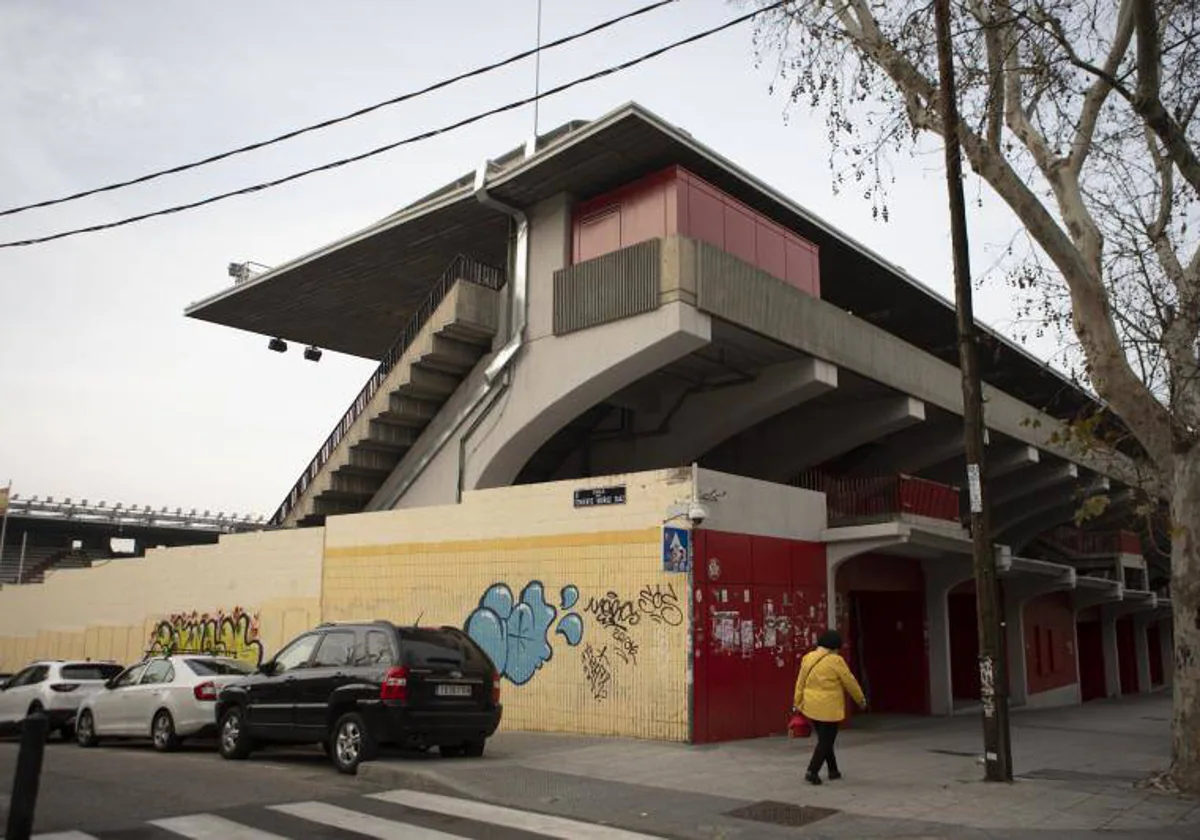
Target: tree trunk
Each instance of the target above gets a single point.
(1185, 601)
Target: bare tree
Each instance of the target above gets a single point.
(1080, 116)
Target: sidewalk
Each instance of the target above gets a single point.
(1076, 772)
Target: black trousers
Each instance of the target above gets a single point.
(823, 752)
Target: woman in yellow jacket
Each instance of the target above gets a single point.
(821, 688)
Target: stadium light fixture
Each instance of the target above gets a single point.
(312, 353)
(278, 345)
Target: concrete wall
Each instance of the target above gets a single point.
(250, 592)
(572, 603)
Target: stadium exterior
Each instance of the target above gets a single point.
(644, 426)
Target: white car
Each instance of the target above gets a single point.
(55, 687)
(165, 698)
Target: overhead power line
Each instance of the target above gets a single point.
(396, 100)
(425, 135)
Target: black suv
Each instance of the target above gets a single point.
(353, 687)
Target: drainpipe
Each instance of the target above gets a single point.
(499, 366)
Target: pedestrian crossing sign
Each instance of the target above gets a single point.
(677, 549)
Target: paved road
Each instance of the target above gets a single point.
(131, 792)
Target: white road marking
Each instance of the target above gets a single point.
(212, 827)
(62, 835)
(376, 827)
(510, 817)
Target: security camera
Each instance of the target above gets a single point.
(697, 513)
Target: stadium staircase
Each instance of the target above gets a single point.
(444, 339)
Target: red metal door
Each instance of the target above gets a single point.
(894, 665)
(1126, 656)
(1091, 660)
(774, 659)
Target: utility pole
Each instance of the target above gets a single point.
(993, 670)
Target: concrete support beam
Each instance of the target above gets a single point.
(1112, 659)
(1025, 580)
(912, 451)
(708, 418)
(1031, 520)
(941, 576)
(1141, 647)
(794, 441)
(1006, 516)
(1016, 487)
(1010, 460)
(1166, 634)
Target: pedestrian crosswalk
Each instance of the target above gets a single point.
(392, 815)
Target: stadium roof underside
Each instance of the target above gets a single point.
(354, 295)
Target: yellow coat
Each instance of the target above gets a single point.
(823, 696)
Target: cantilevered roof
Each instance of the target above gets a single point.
(353, 295)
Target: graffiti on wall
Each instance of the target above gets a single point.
(515, 633)
(597, 672)
(233, 634)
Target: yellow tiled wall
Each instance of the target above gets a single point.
(112, 611)
(598, 570)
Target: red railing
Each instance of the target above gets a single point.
(1096, 543)
(883, 497)
(461, 268)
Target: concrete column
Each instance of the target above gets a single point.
(1112, 660)
(1141, 647)
(941, 576)
(1166, 634)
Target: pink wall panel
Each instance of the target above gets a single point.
(675, 201)
(1049, 642)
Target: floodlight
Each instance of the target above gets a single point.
(312, 353)
(278, 345)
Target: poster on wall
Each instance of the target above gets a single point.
(676, 549)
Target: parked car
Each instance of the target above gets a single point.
(356, 686)
(164, 698)
(55, 687)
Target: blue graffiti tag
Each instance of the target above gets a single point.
(514, 634)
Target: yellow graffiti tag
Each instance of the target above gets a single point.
(233, 634)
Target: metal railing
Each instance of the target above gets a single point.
(1095, 543)
(881, 497)
(49, 509)
(461, 268)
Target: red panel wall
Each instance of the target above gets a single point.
(676, 201)
(883, 625)
(1050, 643)
(759, 605)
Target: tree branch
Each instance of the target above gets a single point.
(1098, 93)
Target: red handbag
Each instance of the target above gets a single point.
(798, 725)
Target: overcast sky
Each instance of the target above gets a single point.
(110, 393)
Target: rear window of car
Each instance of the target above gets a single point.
(218, 667)
(90, 671)
(437, 647)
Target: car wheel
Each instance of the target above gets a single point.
(351, 743)
(85, 730)
(233, 739)
(474, 749)
(451, 750)
(162, 731)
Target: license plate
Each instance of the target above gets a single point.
(453, 691)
